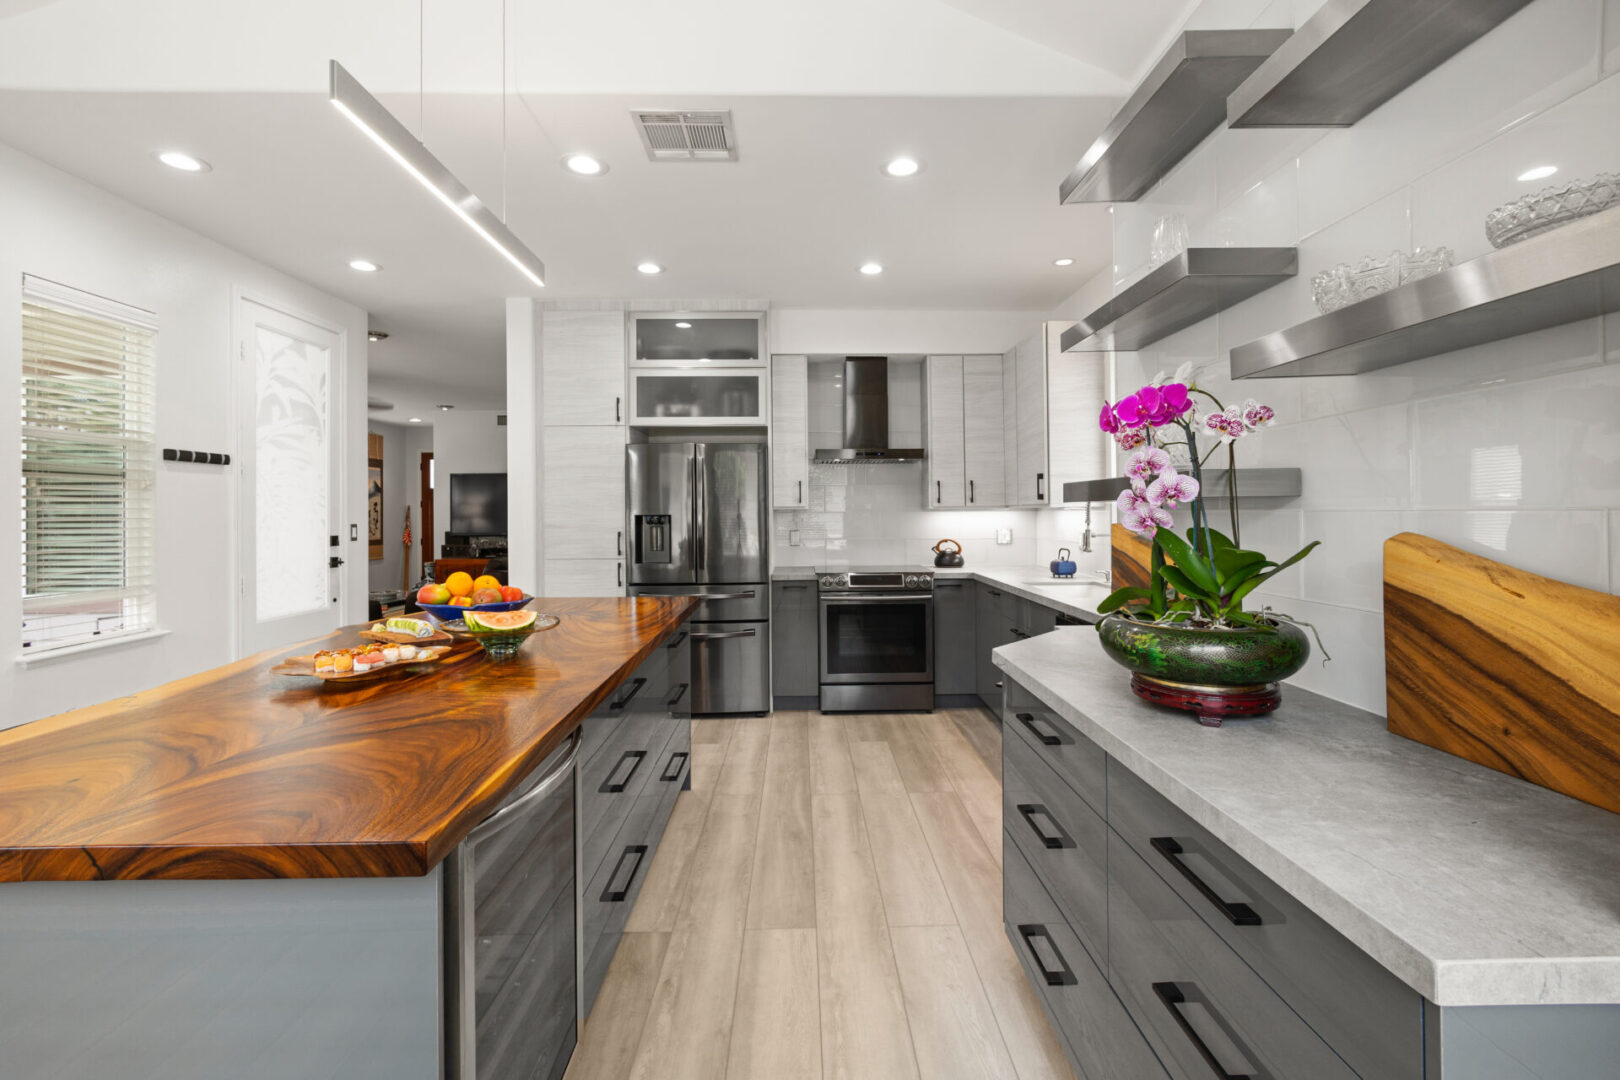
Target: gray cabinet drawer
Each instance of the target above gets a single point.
(1370, 1017)
(1004, 604)
(612, 779)
(1063, 839)
(611, 893)
(1101, 1040)
(1202, 1008)
(1071, 755)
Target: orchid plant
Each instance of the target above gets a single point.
(1204, 579)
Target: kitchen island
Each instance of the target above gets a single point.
(1302, 894)
(247, 875)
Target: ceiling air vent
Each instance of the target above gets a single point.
(687, 136)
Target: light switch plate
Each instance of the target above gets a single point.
(793, 538)
(1003, 536)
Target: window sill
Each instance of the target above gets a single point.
(28, 659)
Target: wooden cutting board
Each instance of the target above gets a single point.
(1504, 667)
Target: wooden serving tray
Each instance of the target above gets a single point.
(392, 638)
(304, 666)
(1503, 667)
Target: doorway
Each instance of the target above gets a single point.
(427, 510)
(290, 442)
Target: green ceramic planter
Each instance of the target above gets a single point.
(1205, 657)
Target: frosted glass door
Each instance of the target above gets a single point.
(289, 464)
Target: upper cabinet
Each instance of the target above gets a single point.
(965, 432)
(1052, 434)
(790, 432)
(946, 472)
(582, 368)
(671, 338)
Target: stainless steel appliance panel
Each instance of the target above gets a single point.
(660, 483)
(731, 667)
(877, 639)
(721, 603)
(732, 501)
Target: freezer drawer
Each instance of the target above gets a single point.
(720, 603)
(731, 667)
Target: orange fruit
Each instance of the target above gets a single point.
(459, 583)
(486, 582)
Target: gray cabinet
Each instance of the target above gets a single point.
(992, 629)
(955, 637)
(795, 660)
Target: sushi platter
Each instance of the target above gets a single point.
(361, 662)
(405, 631)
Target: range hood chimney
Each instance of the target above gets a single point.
(866, 417)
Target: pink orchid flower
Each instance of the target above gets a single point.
(1147, 520)
(1256, 415)
(1223, 425)
(1130, 501)
(1171, 404)
(1130, 439)
(1144, 463)
(1107, 420)
(1171, 488)
(1131, 412)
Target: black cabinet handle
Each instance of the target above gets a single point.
(971, 496)
(1170, 994)
(680, 692)
(1061, 840)
(947, 584)
(801, 492)
(1040, 485)
(617, 418)
(618, 575)
(676, 643)
(635, 688)
(796, 587)
(993, 592)
(1048, 738)
(1056, 972)
(618, 548)
(1236, 912)
(611, 786)
(938, 494)
(1019, 634)
(635, 852)
(676, 763)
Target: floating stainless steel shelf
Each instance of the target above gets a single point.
(1252, 484)
(1181, 101)
(1561, 276)
(1354, 55)
(1192, 286)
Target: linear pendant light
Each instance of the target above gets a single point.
(382, 128)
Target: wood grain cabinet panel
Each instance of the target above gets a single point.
(983, 451)
(947, 484)
(582, 512)
(1033, 487)
(790, 432)
(582, 368)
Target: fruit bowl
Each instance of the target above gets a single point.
(501, 643)
(443, 613)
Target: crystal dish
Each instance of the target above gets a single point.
(1344, 284)
(1550, 208)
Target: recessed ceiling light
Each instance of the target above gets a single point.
(1065, 261)
(902, 167)
(1540, 172)
(650, 268)
(871, 268)
(416, 420)
(683, 326)
(376, 335)
(444, 408)
(365, 266)
(584, 165)
(174, 159)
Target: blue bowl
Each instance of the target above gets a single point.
(451, 612)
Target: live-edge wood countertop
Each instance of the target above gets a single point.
(237, 773)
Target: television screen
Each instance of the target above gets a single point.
(478, 504)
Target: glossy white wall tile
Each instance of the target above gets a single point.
(1611, 37)
(1569, 545)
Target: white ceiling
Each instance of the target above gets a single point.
(996, 97)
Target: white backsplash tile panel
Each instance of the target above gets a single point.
(1614, 551)
(1611, 37)
(1567, 545)
(1348, 569)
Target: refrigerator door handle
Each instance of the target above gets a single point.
(699, 528)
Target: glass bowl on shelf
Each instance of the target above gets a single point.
(1344, 284)
(1551, 207)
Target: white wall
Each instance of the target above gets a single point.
(464, 441)
(58, 227)
(1509, 449)
(877, 332)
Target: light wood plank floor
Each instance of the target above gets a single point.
(826, 905)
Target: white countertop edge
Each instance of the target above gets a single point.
(1079, 600)
(1529, 980)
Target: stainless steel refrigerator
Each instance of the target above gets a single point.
(698, 521)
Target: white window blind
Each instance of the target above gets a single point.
(89, 463)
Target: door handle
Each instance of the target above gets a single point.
(801, 492)
(509, 813)
(1029, 811)
(1237, 913)
(633, 854)
(971, 496)
(1052, 966)
(750, 632)
(610, 786)
(746, 594)
(938, 492)
(677, 761)
(618, 575)
(1048, 738)
(680, 637)
(1170, 995)
(618, 410)
(333, 562)
(635, 688)
(619, 543)
(1040, 485)
(680, 692)
(1017, 633)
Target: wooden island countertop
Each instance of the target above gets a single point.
(237, 773)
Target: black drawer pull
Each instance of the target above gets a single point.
(676, 643)
(610, 895)
(1236, 912)
(1171, 995)
(680, 692)
(675, 766)
(635, 688)
(1057, 972)
(1019, 634)
(1061, 840)
(611, 786)
(1048, 738)
(993, 592)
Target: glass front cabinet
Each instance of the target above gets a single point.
(698, 369)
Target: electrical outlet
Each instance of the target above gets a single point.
(1003, 536)
(793, 538)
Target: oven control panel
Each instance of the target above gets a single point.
(887, 581)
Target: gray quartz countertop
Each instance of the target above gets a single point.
(1078, 597)
(1473, 887)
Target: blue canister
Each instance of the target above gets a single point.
(1063, 566)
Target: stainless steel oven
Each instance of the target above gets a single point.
(877, 640)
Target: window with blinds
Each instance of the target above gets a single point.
(89, 463)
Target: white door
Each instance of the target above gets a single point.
(289, 444)
(982, 431)
(946, 484)
(790, 432)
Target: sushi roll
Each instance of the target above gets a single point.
(407, 652)
(323, 662)
(368, 660)
(391, 653)
(342, 663)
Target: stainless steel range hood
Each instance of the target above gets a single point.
(866, 417)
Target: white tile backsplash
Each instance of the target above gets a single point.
(1510, 449)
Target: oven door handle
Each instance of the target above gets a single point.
(879, 598)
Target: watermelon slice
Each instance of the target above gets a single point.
(498, 620)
